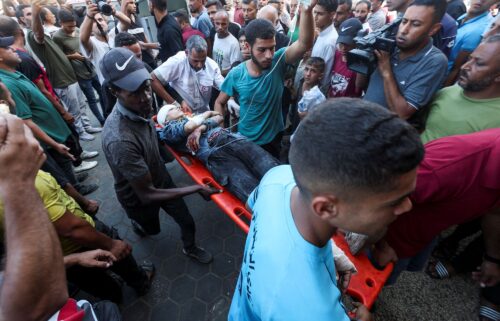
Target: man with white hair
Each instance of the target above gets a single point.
(192, 74)
(270, 13)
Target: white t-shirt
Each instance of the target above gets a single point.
(99, 49)
(324, 47)
(195, 87)
(226, 51)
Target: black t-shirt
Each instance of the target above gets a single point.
(233, 28)
(456, 8)
(169, 37)
(137, 31)
(28, 66)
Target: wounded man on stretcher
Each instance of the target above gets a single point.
(235, 162)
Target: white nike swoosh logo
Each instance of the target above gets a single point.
(345, 28)
(122, 67)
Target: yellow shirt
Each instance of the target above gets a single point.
(57, 202)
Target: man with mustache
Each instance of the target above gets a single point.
(474, 104)
(406, 79)
(259, 81)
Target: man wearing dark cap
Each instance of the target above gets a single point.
(342, 80)
(130, 144)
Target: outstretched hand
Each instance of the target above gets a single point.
(96, 258)
(207, 190)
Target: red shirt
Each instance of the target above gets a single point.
(342, 79)
(458, 181)
(238, 16)
(188, 31)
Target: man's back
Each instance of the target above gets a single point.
(283, 277)
(58, 67)
(452, 113)
(169, 37)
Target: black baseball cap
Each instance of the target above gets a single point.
(349, 30)
(120, 67)
(6, 42)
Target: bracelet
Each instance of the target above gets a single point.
(488, 258)
(91, 18)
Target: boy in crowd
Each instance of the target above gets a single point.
(230, 157)
(342, 80)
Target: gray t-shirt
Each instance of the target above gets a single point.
(130, 145)
(418, 77)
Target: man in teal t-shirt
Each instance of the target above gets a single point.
(258, 82)
(287, 271)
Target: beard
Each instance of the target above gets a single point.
(474, 86)
(255, 61)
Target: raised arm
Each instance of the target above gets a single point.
(34, 270)
(36, 22)
(306, 36)
(86, 27)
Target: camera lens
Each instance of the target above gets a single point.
(105, 8)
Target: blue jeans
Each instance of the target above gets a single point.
(238, 164)
(88, 86)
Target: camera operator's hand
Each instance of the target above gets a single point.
(384, 62)
(92, 9)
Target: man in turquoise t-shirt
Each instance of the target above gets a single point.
(258, 82)
(288, 271)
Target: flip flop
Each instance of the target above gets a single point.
(437, 270)
(489, 313)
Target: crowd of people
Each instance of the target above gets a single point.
(379, 119)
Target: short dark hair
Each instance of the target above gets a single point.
(66, 16)
(43, 13)
(159, 4)
(255, 2)
(368, 4)
(123, 39)
(259, 28)
(349, 145)
(347, 2)
(19, 10)
(216, 3)
(9, 27)
(182, 16)
(317, 62)
(241, 32)
(438, 5)
(329, 5)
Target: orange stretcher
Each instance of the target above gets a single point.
(365, 285)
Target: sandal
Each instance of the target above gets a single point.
(439, 270)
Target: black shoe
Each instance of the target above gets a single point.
(86, 189)
(82, 176)
(149, 268)
(137, 228)
(199, 254)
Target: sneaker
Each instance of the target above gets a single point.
(86, 189)
(93, 130)
(82, 177)
(199, 254)
(86, 137)
(86, 154)
(149, 268)
(85, 166)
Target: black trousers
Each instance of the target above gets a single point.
(274, 146)
(149, 216)
(99, 282)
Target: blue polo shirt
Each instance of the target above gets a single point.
(283, 276)
(261, 118)
(469, 35)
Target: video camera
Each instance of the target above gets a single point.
(362, 59)
(104, 7)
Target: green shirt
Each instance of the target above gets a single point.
(32, 104)
(453, 113)
(69, 45)
(59, 69)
